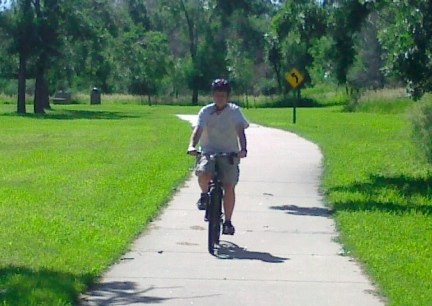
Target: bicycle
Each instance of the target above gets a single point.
(213, 213)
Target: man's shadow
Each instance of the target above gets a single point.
(229, 250)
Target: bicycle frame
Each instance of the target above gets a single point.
(214, 210)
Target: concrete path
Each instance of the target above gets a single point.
(283, 252)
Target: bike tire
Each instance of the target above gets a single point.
(214, 218)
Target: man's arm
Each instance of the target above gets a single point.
(195, 137)
(242, 140)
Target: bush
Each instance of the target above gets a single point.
(421, 119)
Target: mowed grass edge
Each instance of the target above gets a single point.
(76, 187)
(380, 189)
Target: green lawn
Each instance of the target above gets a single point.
(78, 184)
(380, 189)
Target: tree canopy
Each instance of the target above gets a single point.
(172, 47)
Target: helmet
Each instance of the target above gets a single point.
(221, 85)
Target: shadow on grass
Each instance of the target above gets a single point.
(229, 250)
(374, 194)
(76, 114)
(290, 102)
(21, 286)
(24, 286)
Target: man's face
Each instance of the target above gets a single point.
(220, 97)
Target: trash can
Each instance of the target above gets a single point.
(95, 96)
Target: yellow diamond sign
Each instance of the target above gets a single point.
(294, 78)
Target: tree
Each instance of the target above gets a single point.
(152, 63)
(297, 27)
(275, 58)
(139, 14)
(366, 71)
(19, 22)
(49, 14)
(192, 13)
(346, 19)
(239, 67)
(406, 36)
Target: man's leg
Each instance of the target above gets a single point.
(229, 200)
(228, 203)
(230, 179)
(203, 181)
(203, 170)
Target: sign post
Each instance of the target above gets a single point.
(295, 79)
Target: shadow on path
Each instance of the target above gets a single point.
(304, 211)
(127, 293)
(229, 250)
(123, 293)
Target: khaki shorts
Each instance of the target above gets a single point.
(229, 173)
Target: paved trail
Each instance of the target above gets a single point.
(283, 252)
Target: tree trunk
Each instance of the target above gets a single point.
(39, 92)
(195, 96)
(277, 70)
(23, 53)
(193, 45)
(45, 95)
(21, 103)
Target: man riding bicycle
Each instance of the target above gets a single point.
(220, 128)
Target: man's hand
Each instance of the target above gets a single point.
(242, 154)
(192, 151)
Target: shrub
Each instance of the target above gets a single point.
(421, 119)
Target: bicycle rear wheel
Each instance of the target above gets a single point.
(214, 218)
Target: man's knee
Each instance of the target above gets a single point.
(205, 176)
(229, 186)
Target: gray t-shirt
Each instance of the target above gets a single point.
(219, 129)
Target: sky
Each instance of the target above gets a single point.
(4, 4)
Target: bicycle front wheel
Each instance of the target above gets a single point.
(214, 218)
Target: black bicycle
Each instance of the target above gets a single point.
(213, 213)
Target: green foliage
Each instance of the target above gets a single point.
(421, 120)
(406, 35)
(366, 71)
(321, 70)
(240, 68)
(152, 63)
(80, 44)
(298, 25)
(344, 22)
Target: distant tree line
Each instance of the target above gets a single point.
(175, 47)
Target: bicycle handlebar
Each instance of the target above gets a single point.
(217, 155)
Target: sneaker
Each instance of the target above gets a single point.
(202, 202)
(228, 228)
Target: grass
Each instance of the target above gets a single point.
(380, 189)
(76, 186)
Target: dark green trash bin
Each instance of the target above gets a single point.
(95, 96)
